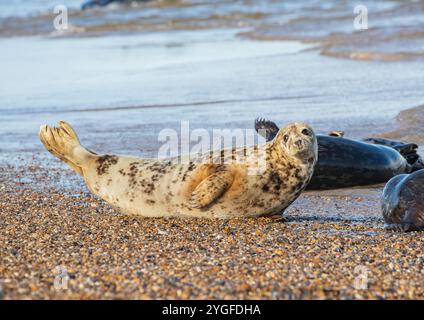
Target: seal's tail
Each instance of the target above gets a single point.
(63, 142)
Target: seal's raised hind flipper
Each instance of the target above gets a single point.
(211, 188)
(267, 129)
(63, 142)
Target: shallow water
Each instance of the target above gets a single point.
(211, 78)
(393, 32)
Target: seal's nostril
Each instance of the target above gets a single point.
(298, 143)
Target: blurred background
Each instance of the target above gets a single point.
(121, 71)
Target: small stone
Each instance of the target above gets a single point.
(162, 233)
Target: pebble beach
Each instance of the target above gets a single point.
(330, 245)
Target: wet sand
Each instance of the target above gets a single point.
(328, 242)
(409, 126)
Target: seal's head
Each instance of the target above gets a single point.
(297, 140)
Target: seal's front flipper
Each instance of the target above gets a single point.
(266, 128)
(211, 189)
(63, 143)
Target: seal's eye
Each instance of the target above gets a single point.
(306, 132)
(286, 137)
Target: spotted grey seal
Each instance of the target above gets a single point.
(206, 188)
(402, 202)
(345, 162)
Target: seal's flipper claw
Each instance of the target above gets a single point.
(265, 128)
(211, 189)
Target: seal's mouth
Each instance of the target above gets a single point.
(302, 142)
(303, 148)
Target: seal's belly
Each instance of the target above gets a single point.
(162, 188)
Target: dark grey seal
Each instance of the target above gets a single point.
(101, 3)
(402, 202)
(346, 162)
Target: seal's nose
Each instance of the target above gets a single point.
(298, 143)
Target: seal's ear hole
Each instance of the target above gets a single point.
(306, 132)
(286, 137)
